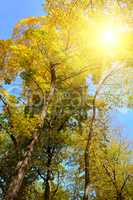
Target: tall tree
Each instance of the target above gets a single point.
(51, 54)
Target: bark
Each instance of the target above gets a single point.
(87, 176)
(16, 183)
(23, 165)
(47, 192)
(57, 187)
(47, 188)
(87, 154)
(89, 139)
(119, 196)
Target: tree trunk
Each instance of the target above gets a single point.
(15, 185)
(47, 192)
(119, 196)
(23, 165)
(47, 188)
(87, 153)
(87, 173)
(89, 139)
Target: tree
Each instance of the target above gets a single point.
(112, 165)
(50, 57)
(53, 55)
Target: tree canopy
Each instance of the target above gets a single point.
(74, 68)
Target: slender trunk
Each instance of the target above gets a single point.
(47, 192)
(47, 187)
(87, 174)
(90, 136)
(119, 196)
(87, 153)
(23, 165)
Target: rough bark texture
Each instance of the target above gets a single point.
(23, 165)
(15, 185)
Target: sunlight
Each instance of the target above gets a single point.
(109, 37)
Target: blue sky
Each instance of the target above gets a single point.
(124, 120)
(12, 11)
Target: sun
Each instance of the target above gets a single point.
(106, 37)
(109, 37)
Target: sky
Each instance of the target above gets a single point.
(11, 11)
(124, 120)
(121, 118)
